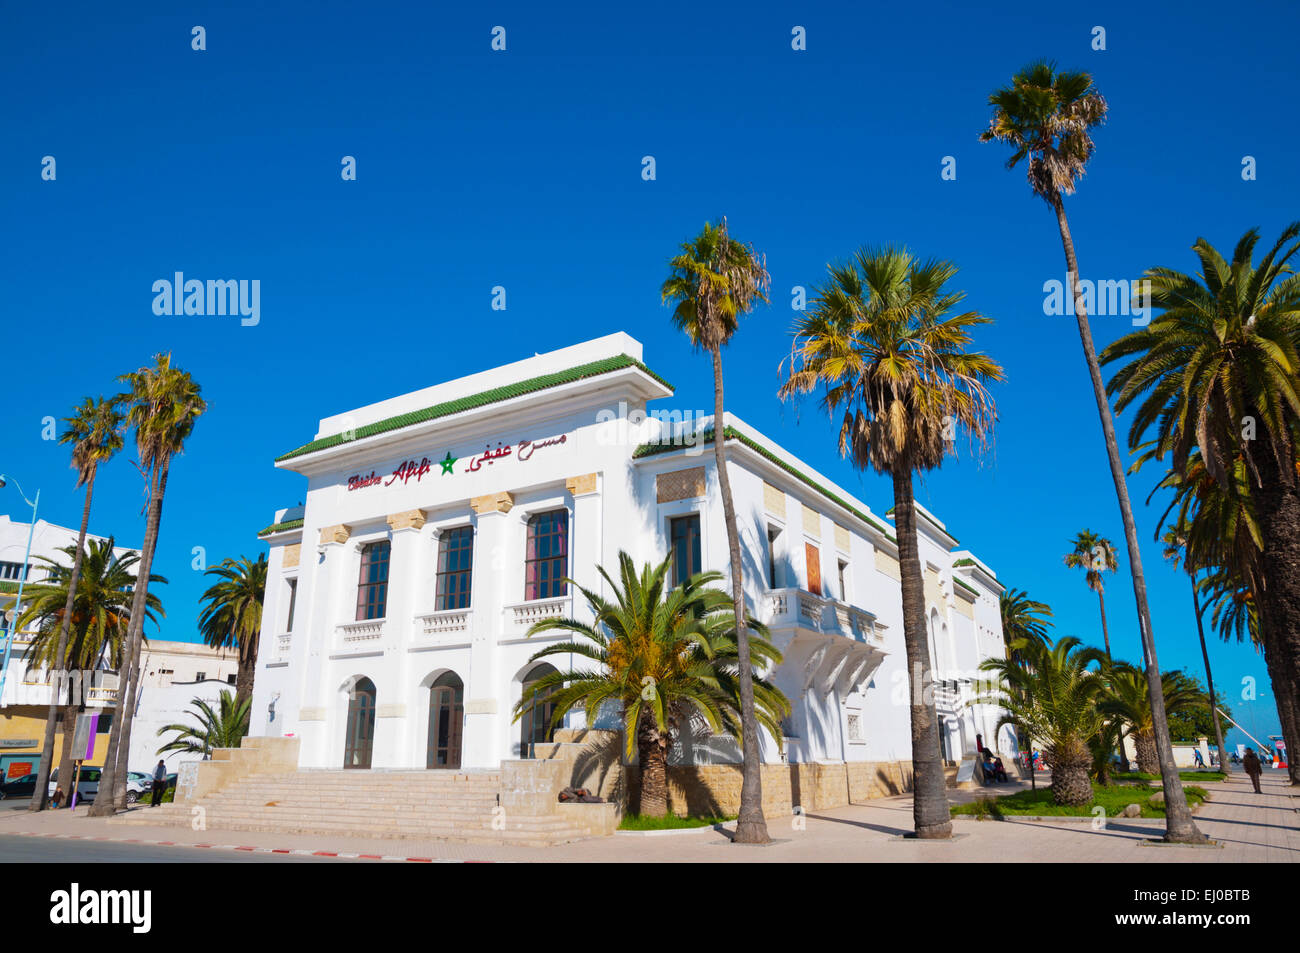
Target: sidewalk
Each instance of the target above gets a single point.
(1252, 828)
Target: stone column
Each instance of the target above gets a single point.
(587, 536)
(405, 561)
(486, 714)
(326, 597)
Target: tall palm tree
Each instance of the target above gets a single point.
(887, 347)
(1126, 698)
(1047, 117)
(164, 403)
(220, 727)
(1053, 699)
(715, 279)
(1095, 554)
(663, 656)
(95, 432)
(1028, 620)
(89, 636)
(1218, 371)
(232, 617)
(1175, 542)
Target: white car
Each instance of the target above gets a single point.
(88, 785)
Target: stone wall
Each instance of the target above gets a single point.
(595, 758)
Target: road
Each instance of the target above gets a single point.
(48, 850)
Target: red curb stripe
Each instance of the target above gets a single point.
(245, 848)
(420, 860)
(279, 850)
(371, 856)
(324, 853)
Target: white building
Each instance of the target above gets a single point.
(438, 526)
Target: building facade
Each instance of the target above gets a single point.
(439, 526)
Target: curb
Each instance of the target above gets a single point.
(300, 852)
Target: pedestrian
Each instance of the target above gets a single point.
(1196, 753)
(159, 783)
(58, 798)
(1250, 764)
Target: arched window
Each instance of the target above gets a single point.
(446, 717)
(359, 741)
(535, 724)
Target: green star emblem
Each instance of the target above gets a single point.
(447, 462)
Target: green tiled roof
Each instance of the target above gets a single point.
(281, 527)
(473, 401)
(8, 586)
(964, 562)
(731, 433)
(971, 589)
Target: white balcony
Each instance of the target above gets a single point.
(796, 608)
(522, 616)
(360, 635)
(443, 627)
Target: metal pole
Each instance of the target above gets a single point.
(18, 599)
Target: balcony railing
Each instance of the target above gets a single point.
(357, 634)
(444, 625)
(797, 607)
(520, 617)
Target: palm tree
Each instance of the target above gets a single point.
(713, 281)
(1095, 554)
(885, 343)
(222, 727)
(164, 403)
(94, 430)
(1023, 619)
(1217, 372)
(1127, 699)
(1175, 542)
(663, 657)
(1047, 117)
(91, 635)
(232, 617)
(1053, 699)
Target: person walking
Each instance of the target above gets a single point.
(159, 783)
(1250, 764)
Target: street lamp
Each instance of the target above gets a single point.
(22, 578)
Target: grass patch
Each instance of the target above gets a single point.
(1201, 777)
(669, 822)
(1039, 803)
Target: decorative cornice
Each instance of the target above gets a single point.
(495, 395)
(338, 533)
(407, 519)
(492, 503)
(281, 527)
(581, 485)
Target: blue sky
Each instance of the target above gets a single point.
(523, 169)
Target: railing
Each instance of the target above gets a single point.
(352, 634)
(519, 618)
(796, 607)
(443, 625)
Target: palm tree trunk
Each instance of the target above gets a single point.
(1279, 595)
(113, 778)
(930, 812)
(65, 625)
(247, 669)
(1105, 632)
(1209, 681)
(68, 718)
(751, 826)
(652, 753)
(1284, 693)
(1179, 826)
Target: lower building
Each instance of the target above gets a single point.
(440, 525)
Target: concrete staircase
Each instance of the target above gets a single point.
(462, 807)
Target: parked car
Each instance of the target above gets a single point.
(16, 788)
(88, 785)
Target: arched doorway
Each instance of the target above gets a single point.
(446, 718)
(359, 741)
(535, 723)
